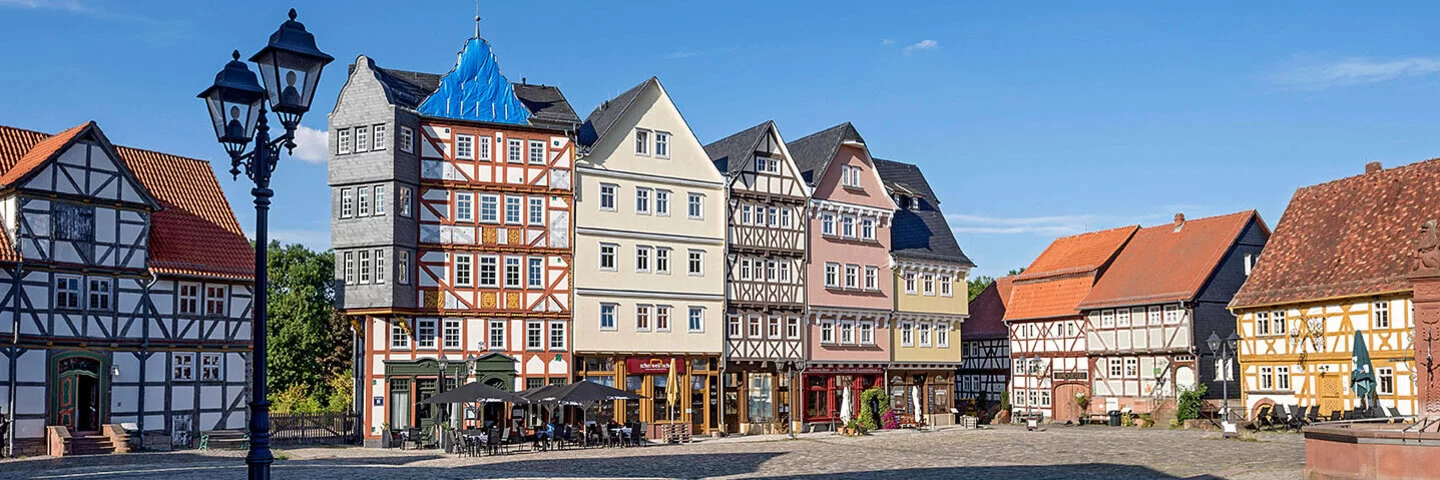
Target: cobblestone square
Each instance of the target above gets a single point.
(999, 453)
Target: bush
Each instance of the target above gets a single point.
(888, 420)
(1191, 399)
(868, 418)
(1005, 400)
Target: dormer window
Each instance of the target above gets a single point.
(850, 176)
(642, 142)
(914, 204)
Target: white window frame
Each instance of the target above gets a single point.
(695, 262)
(832, 275)
(484, 148)
(662, 317)
(487, 271)
(792, 328)
(942, 335)
(364, 266)
(514, 270)
(1153, 315)
(448, 326)
(342, 142)
(907, 334)
(609, 251)
(426, 333)
(378, 137)
(380, 276)
(464, 207)
(642, 200)
(1122, 318)
(406, 208)
(535, 272)
(362, 201)
(466, 263)
(362, 139)
(182, 366)
(1282, 378)
(867, 333)
(407, 139)
(402, 268)
(514, 150)
(827, 331)
(465, 147)
(1380, 315)
(379, 209)
(349, 267)
(535, 335)
(695, 206)
(642, 142)
(1132, 367)
(536, 214)
(872, 278)
(514, 210)
(662, 144)
(927, 284)
(662, 202)
(1262, 323)
(607, 316)
(1381, 374)
(852, 276)
(1266, 378)
(662, 260)
(642, 258)
(827, 224)
(497, 332)
(695, 319)
(558, 337)
(1277, 322)
(911, 286)
(607, 196)
(922, 330)
(1107, 319)
(538, 152)
(489, 206)
(347, 203)
(1173, 314)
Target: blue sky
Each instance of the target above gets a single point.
(1032, 121)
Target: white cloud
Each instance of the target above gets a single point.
(1045, 225)
(926, 44)
(311, 145)
(1353, 71)
(66, 5)
(887, 41)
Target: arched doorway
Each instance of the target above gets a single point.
(1184, 379)
(1065, 405)
(78, 391)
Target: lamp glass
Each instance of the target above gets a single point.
(1213, 342)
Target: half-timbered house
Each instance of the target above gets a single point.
(1337, 265)
(848, 274)
(1147, 318)
(650, 230)
(765, 278)
(1047, 331)
(452, 232)
(928, 266)
(985, 363)
(125, 292)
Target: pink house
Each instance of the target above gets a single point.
(848, 273)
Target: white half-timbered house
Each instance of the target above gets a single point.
(765, 277)
(125, 292)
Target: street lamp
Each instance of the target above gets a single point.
(1225, 351)
(290, 65)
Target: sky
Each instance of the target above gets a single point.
(1031, 120)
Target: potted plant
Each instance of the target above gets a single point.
(852, 428)
(1083, 401)
(1145, 421)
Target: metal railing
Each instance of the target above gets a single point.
(313, 428)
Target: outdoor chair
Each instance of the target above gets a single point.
(1262, 418)
(641, 438)
(1394, 414)
(1297, 417)
(1312, 416)
(605, 439)
(1278, 418)
(1335, 416)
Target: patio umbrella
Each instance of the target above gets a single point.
(581, 392)
(475, 392)
(672, 390)
(1362, 375)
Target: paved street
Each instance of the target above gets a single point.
(1002, 453)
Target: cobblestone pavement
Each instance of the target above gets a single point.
(1069, 453)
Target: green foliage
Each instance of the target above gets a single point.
(310, 345)
(868, 418)
(1005, 401)
(1126, 419)
(1083, 401)
(1188, 407)
(1146, 421)
(1175, 423)
(978, 284)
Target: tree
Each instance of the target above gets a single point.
(978, 284)
(310, 345)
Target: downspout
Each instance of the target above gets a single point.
(149, 306)
(14, 341)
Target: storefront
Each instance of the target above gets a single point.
(832, 394)
(923, 396)
(649, 377)
(758, 397)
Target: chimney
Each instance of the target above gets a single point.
(1372, 167)
(523, 82)
(1179, 221)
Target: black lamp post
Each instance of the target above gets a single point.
(290, 66)
(1225, 351)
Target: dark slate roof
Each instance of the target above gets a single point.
(812, 154)
(607, 113)
(547, 105)
(922, 232)
(732, 153)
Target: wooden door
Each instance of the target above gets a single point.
(77, 394)
(1332, 394)
(1063, 402)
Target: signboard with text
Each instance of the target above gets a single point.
(653, 365)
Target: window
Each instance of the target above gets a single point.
(662, 260)
(907, 334)
(849, 176)
(347, 203)
(855, 176)
(513, 277)
(832, 275)
(1154, 315)
(785, 218)
(67, 292)
(513, 210)
(557, 335)
(537, 211)
(642, 318)
(214, 298)
(852, 276)
(772, 217)
(732, 327)
(784, 273)
(450, 333)
(1132, 367)
(607, 196)
(537, 152)
(497, 334)
(696, 265)
(762, 164)
(662, 203)
(362, 139)
(425, 333)
(364, 269)
(1282, 378)
(407, 140)
(695, 207)
(642, 142)
(910, 285)
(349, 267)
(1385, 379)
(607, 256)
(398, 337)
(379, 266)
(1262, 323)
(465, 147)
(464, 206)
(642, 258)
(405, 208)
(662, 318)
(343, 144)
(847, 226)
(946, 288)
(942, 335)
(1277, 322)
(924, 332)
(1107, 319)
(379, 200)
(662, 144)
(210, 366)
(100, 294)
(772, 328)
(189, 298)
(515, 151)
(463, 270)
(847, 333)
(490, 208)
(1249, 263)
(363, 206)
(1122, 317)
(754, 332)
(769, 271)
(827, 332)
(827, 223)
(792, 329)
(379, 137)
(745, 218)
(534, 335)
(867, 228)
(927, 284)
(483, 148)
(1381, 315)
(1115, 368)
(696, 317)
(867, 333)
(1172, 314)
(642, 200)
(402, 269)
(489, 271)
(182, 366)
(1224, 371)
(1266, 380)
(535, 274)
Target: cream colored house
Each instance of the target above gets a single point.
(650, 226)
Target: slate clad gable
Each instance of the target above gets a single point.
(921, 232)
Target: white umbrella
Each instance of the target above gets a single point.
(915, 398)
(845, 402)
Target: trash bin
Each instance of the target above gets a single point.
(1114, 418)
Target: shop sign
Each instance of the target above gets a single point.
(653, 365)
(1074, 375)
(845, 370)
(379, 401)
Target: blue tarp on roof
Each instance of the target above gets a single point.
(475, 90)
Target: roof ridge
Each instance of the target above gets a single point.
(1383, 171)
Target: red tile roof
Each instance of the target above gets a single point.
(1348, 237)
(193, 234)
(1165, 264)
(987, 312)
(1062, 275)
